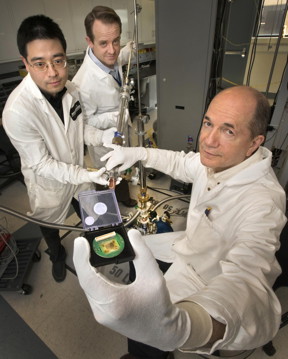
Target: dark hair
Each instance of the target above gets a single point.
(261, 117)
(104, 14)
(38, 27)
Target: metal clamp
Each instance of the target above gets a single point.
(241, 53)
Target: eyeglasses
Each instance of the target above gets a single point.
(42, 66)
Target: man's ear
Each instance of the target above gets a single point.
(89, 42)
(255, 144)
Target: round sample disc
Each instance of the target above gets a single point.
(89, 220)
(100, 208)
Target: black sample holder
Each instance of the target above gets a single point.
(100, 215)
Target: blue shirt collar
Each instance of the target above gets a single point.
(99, 63)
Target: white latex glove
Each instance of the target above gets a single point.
(125, 51)
(86, 176)
(99, 177)
(141, 310)
(114, 118)
(125, 156)
(108, 135)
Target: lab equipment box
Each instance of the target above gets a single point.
(104, 230)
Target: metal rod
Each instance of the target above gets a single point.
(140, 124)
(126, 82)
(125, 93)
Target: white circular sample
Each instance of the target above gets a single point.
(100, 208)
(89, 220)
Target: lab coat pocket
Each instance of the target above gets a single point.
(203, 235)
(207, 245)
(49, 194)
(183, 280)
(195, 278)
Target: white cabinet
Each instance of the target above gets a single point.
(11, 15)
(146, 22)
(70, 15)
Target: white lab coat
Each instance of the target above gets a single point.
(51, 154)
(225, 261)
(100, 98)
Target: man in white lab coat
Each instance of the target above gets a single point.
(43, 120)
(217, 294)
(99, 81)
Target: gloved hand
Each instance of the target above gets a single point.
(126, 156)
(108, 135)
(85, 176)
(141, 310)
(130, 46)
(115, 115)
(98, 177)
(114, 119)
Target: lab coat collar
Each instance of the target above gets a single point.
(230, 172)
(101, 74)
(33, 88)
(99, 63)
(242, 173)
(67, 99)
(250, 172)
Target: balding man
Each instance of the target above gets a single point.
(217, 293)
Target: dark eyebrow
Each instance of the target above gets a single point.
(229, 125)
(42, 59)
(224, 124)
(36, 58)
(59, 54)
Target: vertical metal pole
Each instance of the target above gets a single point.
(140, 124)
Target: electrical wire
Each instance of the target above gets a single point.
(254, 46)
(159, 190)
(282, 144)
(277, 93)
(38, 221)
(269, 139)
(217, 60)
(276, 48)
(217, 57)
(169, 199)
